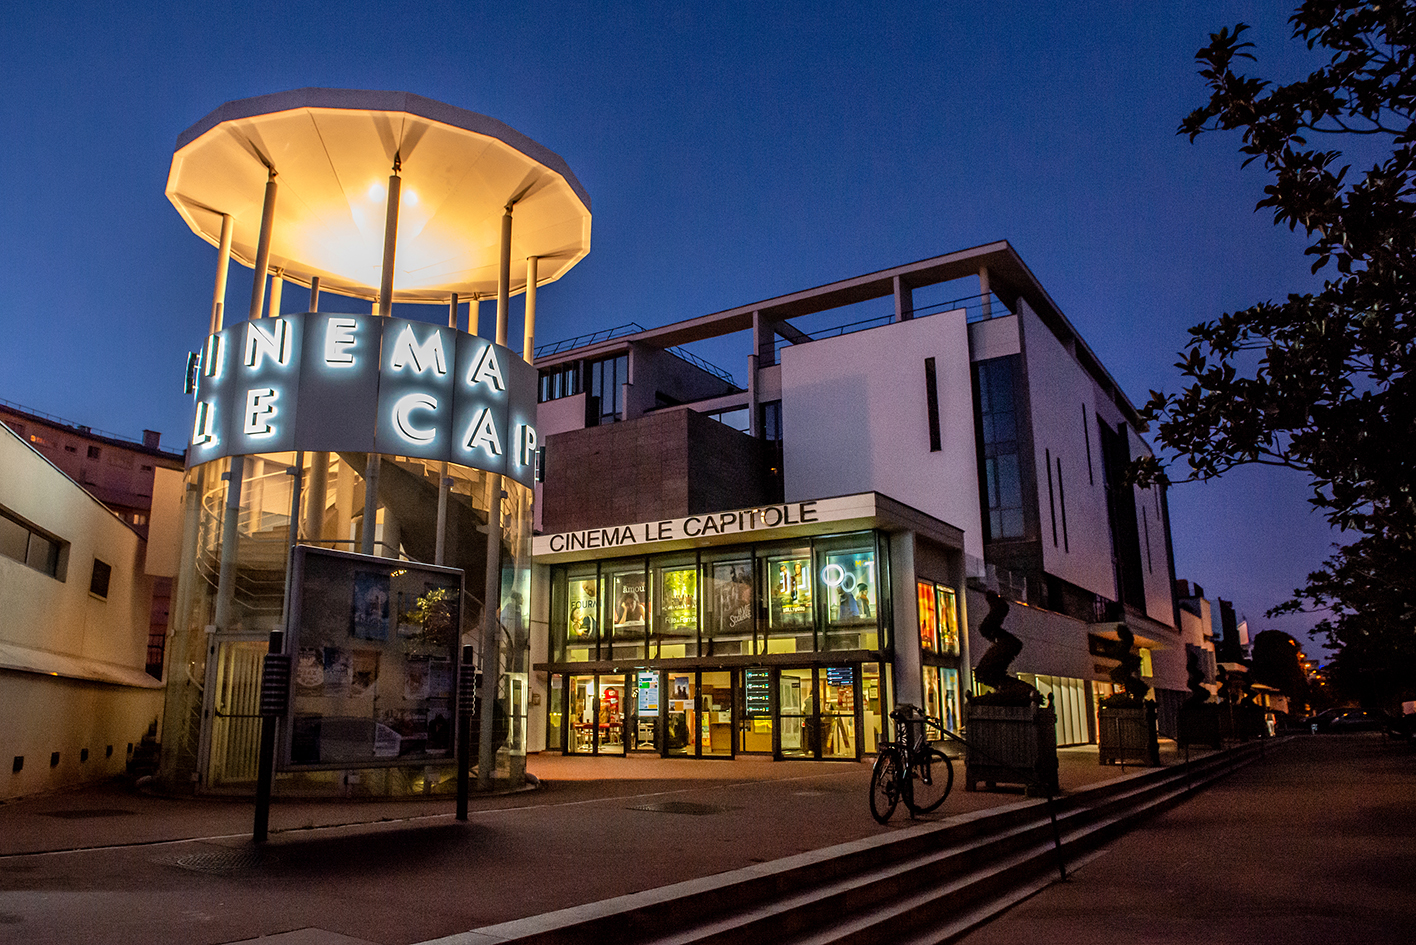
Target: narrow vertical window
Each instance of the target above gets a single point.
(1145, 524)
(1062, 501)
(931, 396)
(1051, 500)
(1086, 438)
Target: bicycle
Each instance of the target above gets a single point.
(910, 768)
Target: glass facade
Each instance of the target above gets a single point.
(220, 627)
(794, 603)
(819, 595)
(998, 434)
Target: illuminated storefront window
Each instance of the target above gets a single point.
(938, 619)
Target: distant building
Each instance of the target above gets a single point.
(76, 616)
(116, 471)
(894, 442)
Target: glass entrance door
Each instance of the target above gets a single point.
(755, 717)
(597, 715)
(641, 724)
(715, 706)
(680, 713)
(838, 696)
(584, 708)
(796, 697)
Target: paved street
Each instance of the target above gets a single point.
(113, 866)
(1315, 844)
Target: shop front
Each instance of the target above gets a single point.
(664, 641)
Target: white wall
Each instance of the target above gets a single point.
(855, 419)
(1062, 399)
(48, 625)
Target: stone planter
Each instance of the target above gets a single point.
(1011, 745)
(1202, 725)
(1128, 736)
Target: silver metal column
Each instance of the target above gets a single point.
(395, 184)
(474, 312)
(452, 312)
(504, 278)
(277, 289)
(258, 287)
(226, 572)
(491, 638)
(315, 504)
(223, 266)
(371, 503)
(314, 293)
(528, 344)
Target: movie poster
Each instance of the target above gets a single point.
(370, 606)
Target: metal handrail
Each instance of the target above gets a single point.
(579, 341)
(977, 308)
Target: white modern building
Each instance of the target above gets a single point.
(963, 435)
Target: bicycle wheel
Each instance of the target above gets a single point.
(930, 781)
(885, 784)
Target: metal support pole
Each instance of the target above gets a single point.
(504, 278)
(277, 289)
(223, 266)
(315, 503)
(271, 682)
(528, 344)
(466, 702)
(314, 293)
(258, 287)
(452, 312)
(985, 292)
(444, 489)
(395, 184)
(474, 312)
(371, 503)
(491, 636)
(226, 573)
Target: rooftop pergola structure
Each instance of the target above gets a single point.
(381, 196)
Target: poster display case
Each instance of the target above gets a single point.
(374, 644)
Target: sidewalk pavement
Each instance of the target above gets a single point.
(1314, 845)
(117, 866)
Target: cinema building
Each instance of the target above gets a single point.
(322, 420)
(768, 567)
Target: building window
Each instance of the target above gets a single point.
(71, 449)
(98, 584)
(735, 417)
(938, 619)
(998, 428)
(560, 381)
(22, 543)
(94, 452)
(770, 420)
(607, 378)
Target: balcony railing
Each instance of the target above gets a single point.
(976, 308)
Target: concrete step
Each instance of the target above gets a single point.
(927, 883)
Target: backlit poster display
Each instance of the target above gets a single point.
(374, 643)
(789, 592)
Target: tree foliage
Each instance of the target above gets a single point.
(1321, 382)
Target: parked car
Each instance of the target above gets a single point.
(1354, 720)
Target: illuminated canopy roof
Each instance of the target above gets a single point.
(333, 151)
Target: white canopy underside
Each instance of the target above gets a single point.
(332, 164)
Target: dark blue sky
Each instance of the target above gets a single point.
(732, 152)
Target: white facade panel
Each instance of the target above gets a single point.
(1074, 527)
(855, 418)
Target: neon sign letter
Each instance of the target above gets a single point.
(429, 354)
(405, 406)
(202, 434)
(526, 455)
(274, 343)
(260, 409)
(483, 434)
(486, 370)
(339, 338)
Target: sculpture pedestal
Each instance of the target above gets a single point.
(1128, 736)
(1011, 745)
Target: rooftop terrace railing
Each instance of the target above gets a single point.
(976, 308)
(631, 328)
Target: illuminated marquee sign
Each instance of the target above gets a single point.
(326, 382)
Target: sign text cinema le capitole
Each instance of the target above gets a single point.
(694, 526)
(361, 383)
